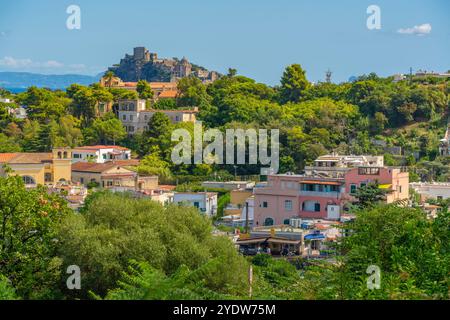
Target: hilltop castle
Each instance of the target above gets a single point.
(145, 65)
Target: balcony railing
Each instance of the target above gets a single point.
(329, 194)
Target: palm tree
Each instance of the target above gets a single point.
(109, 75)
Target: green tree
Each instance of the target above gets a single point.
(144, 90)
(109, 76)
(8, 145)
(369, 195)
(115, 229)
(107, 129)
(293, 84)
(28, 237)
(7, 292)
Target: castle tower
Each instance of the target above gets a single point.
(139, 53)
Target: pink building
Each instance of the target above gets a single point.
(289, 196)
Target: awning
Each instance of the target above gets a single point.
(314, 236)
(385, 186)
(268, 240)
(331, 183)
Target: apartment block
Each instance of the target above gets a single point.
(320, 195)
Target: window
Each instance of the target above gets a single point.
(264, 204)
(288, 205)
(124, 117)
(28, 180)
(76, 156)
(362, 184)
(268, 222)
(317, 207)
(438, 197)
(196, 204)
(130, 129)
(400, 189)
(368, 171)
(48, 177)
(131, 117)
(104, 156)
(352, 188)
(287, 221)
(82, 180)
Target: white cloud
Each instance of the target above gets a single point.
(419, 30)
(52, 64)
(78, 66)
(11, 62)
(29, 65)
(14, 63)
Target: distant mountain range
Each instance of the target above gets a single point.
(19, 81)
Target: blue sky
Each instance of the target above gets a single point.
(257, 37)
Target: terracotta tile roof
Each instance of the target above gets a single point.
(6, 157)
(168, 94)
(131, 162)
(162, 85)
(166, 187)
(25, 158)
(172, 111)
(93, 167)
(98, 147)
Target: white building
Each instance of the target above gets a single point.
(229, 185)
(5, 100)
(135, 116)
(206, 202)
(100, 154)
(444, 146)
(433, 190)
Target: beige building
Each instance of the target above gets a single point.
(39, 168)
(135, 116)
(111, 175)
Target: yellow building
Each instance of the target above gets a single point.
(111, 175)
(39, 168)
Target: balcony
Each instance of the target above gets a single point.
(325, 194)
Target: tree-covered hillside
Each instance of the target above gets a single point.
(403, 120)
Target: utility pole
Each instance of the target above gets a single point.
(246, 217)
(250, 281)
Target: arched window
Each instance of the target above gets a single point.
(65, 154)
(48, 177)
(59, 155)
(268, 222)
(28, 180)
